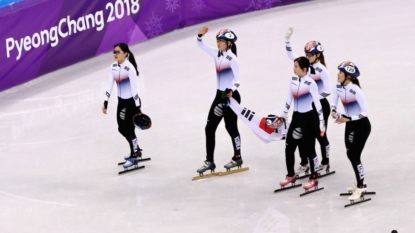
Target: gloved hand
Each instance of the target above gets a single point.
(225, 98)
(288, 35)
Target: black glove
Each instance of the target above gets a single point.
(225, 99)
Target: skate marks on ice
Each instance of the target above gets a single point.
(35, 200)
(213, 174)
(133, 167)
(273, 221)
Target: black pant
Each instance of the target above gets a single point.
(323, 141)
(302, 133)
(216, 113)
(125, 111)
(355, 137)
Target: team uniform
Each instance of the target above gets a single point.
(228, 78)
(129, 102)
(304, 127)
(322, 79)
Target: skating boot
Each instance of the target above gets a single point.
(312, 183)
(207, 166)
(323, 168)
(127, 157)
(132, 160)
(302, 169)
(238, 163)
(288, 180)
(351, 188)
(358, 193)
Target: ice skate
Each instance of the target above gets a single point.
(324, 170)
(351, 188)
(311, 184)
(238, 163)
(303, 169)
(357, 197)
(131, 163)
(206, 166)
(138, 160)
(127, 157)
(232, 164)
(286, 181)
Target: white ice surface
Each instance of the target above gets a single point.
(59, 153)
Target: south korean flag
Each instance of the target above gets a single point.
(258, 124)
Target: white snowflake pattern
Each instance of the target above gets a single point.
(172, 5)
(198, 5)
(154, 26)
(262, 4)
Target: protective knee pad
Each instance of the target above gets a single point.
(122, 114)
(218, 110)
(297, 133)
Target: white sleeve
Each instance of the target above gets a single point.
(288, 101)
(110, 85)
(211, 51)
(363, 107)
(325, 78)
(334, 99)
(132, 75)
(290, 52)
(236, 74)
(316, 99)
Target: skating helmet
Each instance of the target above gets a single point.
(313, 47)
(142, 121)
(227, 35)
(350, 68)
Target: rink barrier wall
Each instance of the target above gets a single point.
(41, 36)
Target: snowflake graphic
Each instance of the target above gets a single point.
(172, 5)
(198, 5)
(154, 26)
(262, 4)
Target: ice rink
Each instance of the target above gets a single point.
(59, 152)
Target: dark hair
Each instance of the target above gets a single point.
(354, 80)
(232, 47)
(322, 60)
(124, 47)
(303, 62)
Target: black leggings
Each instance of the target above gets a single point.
(216, 113)
(355, 137)
(125, 111)
(323, 141)
(302, 133)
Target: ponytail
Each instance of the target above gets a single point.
(356, 81)
(132, 61)
(233, 48)
(322, 60)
